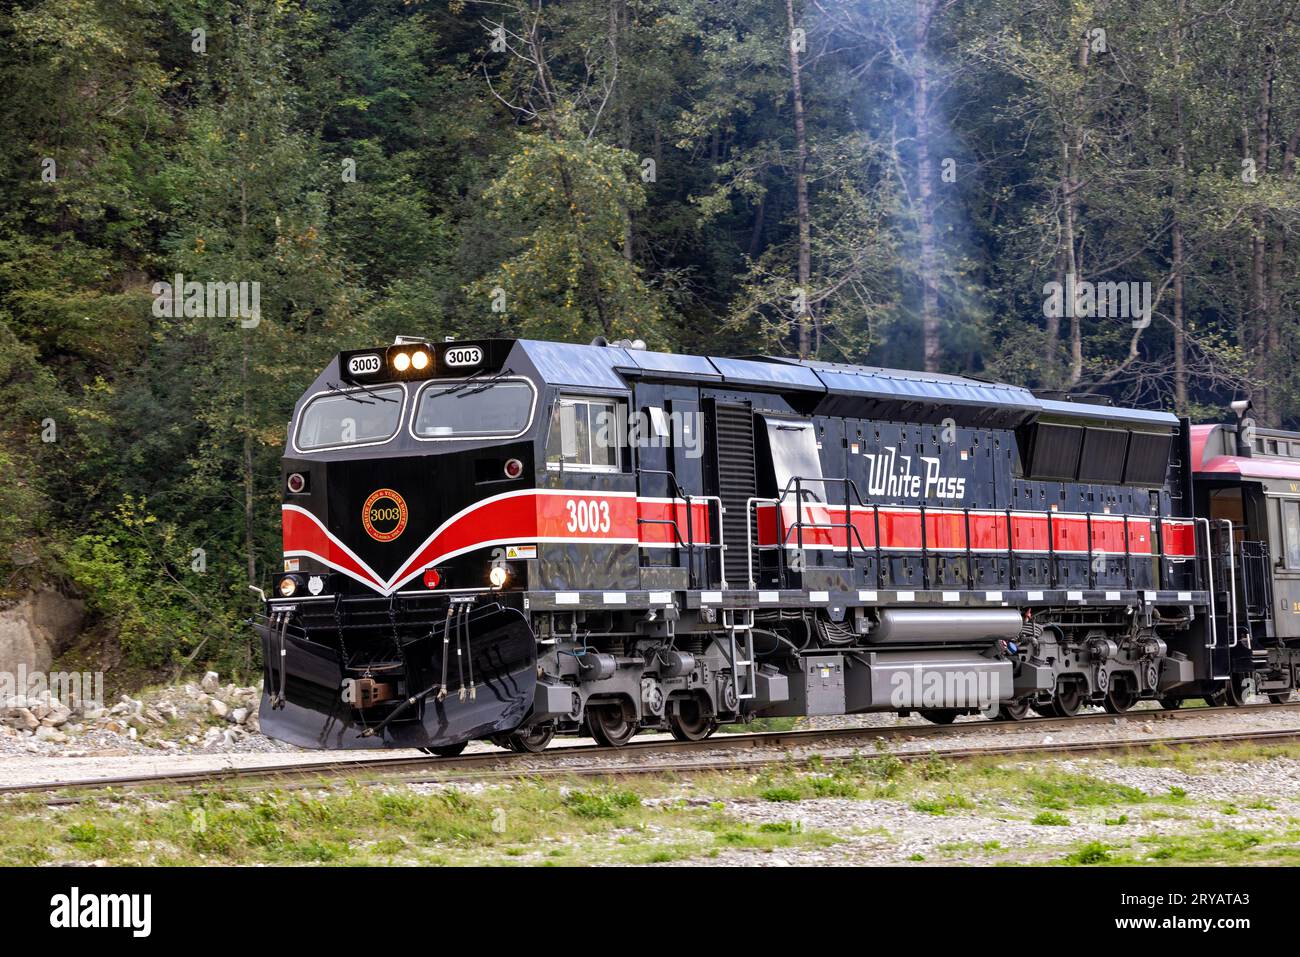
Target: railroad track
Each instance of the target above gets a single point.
(722, 752)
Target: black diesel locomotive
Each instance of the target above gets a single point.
(511, 539)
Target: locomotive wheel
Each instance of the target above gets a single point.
(446, 750)
(1119, 698)
(1014, 711)
(1068, 701)
(609, 726)
(940, 715)
(690, 722)
(532, 740)
(1170, 704)
(1231, 692)
(1238, 690)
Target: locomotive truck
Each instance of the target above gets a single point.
(512, 539)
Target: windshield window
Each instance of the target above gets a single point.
(351, 418)
(498, 407)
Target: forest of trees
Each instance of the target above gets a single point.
(892, 182)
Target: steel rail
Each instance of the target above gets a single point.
(552, 761)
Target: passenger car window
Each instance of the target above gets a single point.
(1291, 533)
(355, 417)
(585, 434)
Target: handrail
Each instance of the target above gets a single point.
(1232, 581)
(749, 534)
(1092, 559)
(690, 544)
(1209, 571)
(679, 492)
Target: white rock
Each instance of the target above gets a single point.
(27, 721)
(52, 735)
(211, 682)
(239, 715)
(218, 707)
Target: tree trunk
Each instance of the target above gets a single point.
(1176, 238)
(589, 275)
(804, 320)
(1073, 146)
(1261, 312)
(925, 188)
(250, 525)
(617, 30)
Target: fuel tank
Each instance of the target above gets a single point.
(917, 626)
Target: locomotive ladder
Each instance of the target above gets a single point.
(739, 625)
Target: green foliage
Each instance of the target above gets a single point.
(1094, 852)
(600, 804)
(566, 199)
(624, 169)
(1051, 819)
(140, 578)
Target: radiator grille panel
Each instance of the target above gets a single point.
(734, 427)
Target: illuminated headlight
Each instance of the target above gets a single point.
(499, 575)
(288, 587)
(420, 360)
(401, 362)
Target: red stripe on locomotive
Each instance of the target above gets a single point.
(946, 530)
(654, 513)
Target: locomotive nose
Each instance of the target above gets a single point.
(450, 675)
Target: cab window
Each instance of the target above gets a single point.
(355, 417)
(495, 407)
(585, 435)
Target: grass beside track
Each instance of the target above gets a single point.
(646, 820)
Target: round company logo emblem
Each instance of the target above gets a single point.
(384, 515)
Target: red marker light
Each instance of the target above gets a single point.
(514, 468)
(431, 578)
(296, 482)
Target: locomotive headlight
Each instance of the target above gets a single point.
(402, 361)
(420, 360)
(288, 587)
(499, 575)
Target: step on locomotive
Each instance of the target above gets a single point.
(513, 539)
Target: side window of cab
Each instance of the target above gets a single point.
(586, 434)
